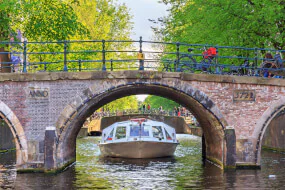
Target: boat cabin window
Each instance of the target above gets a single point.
(110, 137)
(145, 131)
(168, 137)
(157, 132)
(120, 132)
(136, 130)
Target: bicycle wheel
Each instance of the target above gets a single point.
(167, 68)
(187, 64)
(266, 66)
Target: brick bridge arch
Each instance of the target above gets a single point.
(18, 133)
(218, 147)
(46, 124)
(274, 109)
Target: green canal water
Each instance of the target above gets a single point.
(184, 171)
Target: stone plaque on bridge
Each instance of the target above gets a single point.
(38, 93)
(244, 95)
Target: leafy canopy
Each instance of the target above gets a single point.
(250, 23)
(157, 101)
(128, 102)
(53, 20)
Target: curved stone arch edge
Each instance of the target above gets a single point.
(263, 123)
(74, 108)
(18, 132)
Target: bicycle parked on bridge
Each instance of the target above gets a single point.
(187, 62)
(271, 64)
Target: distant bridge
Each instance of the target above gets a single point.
(181, 127)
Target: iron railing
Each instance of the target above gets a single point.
(152, 111)
(114, 55)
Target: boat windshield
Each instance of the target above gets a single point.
(110, 137)
(120, 132)
(168, 137)
(136, 130)
(157, 132)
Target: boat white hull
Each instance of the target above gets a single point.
(138, 149)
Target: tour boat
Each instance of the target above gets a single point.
(138, 138)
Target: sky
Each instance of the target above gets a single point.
(142, 10)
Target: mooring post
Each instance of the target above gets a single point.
(230, 138)
(203, 148)
(50, 146)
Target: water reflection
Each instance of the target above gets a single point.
(183, 171)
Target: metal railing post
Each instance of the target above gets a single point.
(255, 58)
(103, 56)
(177, 55)
(111, 64)
(79, 64)
(255, 62)
(217, 66)
(141, 60)
(25, 57)
(65, 57)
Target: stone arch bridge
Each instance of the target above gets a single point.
(45, 111)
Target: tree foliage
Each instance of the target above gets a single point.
(157, 101)
(105, 19)
(250, 23)
(53, 20)
(128, 102)
(6, 8)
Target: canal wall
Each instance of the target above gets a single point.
(274, 136)
(83, 132)
(6, 138)
(197, 131)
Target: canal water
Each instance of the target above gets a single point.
(184, 171)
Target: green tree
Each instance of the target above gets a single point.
(250, 23)
(157, 101)
(128, 102)
(40, 21)
(54, 20)
(105, 19)
(6, 8)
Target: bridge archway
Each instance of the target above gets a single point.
(18, 133)
(263, 123)
(218, 148)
